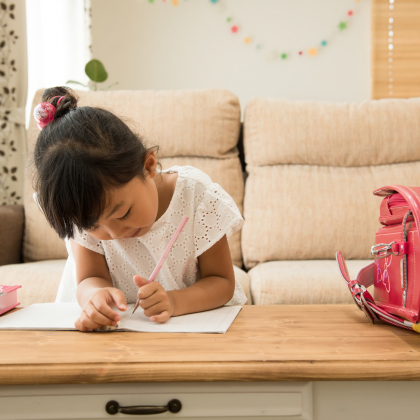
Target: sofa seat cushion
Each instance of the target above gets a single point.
(301, 282)
(39, 280)
(305, 212)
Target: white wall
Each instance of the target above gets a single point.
(159, 46)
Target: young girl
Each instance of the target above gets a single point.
(100, 189)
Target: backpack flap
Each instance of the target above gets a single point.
(393, 209)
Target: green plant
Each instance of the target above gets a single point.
(96, 72)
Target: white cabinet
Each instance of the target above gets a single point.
(281, 400)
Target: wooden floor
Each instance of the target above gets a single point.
(265, 343)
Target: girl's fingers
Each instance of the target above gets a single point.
(95, 315)
(155, 309)
(80, 326)
(150, 301)
(119, 298)
(139, 281)
(162, 317)
(148, 290)
(87, 323)
(101, 305)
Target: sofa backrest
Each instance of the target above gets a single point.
(196, 127)
(312, 168)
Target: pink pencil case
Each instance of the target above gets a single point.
(8, 298)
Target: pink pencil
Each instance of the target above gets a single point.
(165, 254)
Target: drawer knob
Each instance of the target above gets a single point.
(174, 406)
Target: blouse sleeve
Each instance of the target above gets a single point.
(88, 241)
(216, 215)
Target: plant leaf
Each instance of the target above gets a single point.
(75, 82)
(96, 72)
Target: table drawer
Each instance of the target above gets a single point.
(221, 401)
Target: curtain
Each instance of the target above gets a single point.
(13, 93)
(58, 44)
(43, 43)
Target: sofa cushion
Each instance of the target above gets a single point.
(187, 124)
(301, 282)
(376, 132)
(312, 169)
(39, 280)
(245, 281)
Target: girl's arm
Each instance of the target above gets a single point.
(95, 293)
(91, 272)
(216, 286)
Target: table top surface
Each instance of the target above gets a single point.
(265, 343)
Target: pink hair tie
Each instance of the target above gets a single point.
(44, 113)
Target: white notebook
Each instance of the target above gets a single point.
(61, 316)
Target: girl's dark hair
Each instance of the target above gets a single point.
(78, 156)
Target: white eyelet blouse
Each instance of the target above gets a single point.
(212, 213)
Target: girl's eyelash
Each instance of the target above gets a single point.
(126, 215)
(93, 228)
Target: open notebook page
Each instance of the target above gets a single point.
(61, 316)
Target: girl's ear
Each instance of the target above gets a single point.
(150, 164)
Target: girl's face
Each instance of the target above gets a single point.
(131, 209)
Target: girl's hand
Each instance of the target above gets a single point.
(157, 304)
(98, 311)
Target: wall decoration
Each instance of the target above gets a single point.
(284, 53)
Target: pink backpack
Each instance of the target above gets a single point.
(395, 272)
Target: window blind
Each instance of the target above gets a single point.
(395, 48)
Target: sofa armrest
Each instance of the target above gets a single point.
(11, 234)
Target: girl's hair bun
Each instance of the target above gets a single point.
(53, 95)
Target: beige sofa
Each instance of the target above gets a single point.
(311, 169)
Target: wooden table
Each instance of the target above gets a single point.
(264, 344)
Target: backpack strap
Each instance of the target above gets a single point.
(364, 300)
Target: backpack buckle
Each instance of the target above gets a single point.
(380, 251)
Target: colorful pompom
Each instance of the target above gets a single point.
(44, 114)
